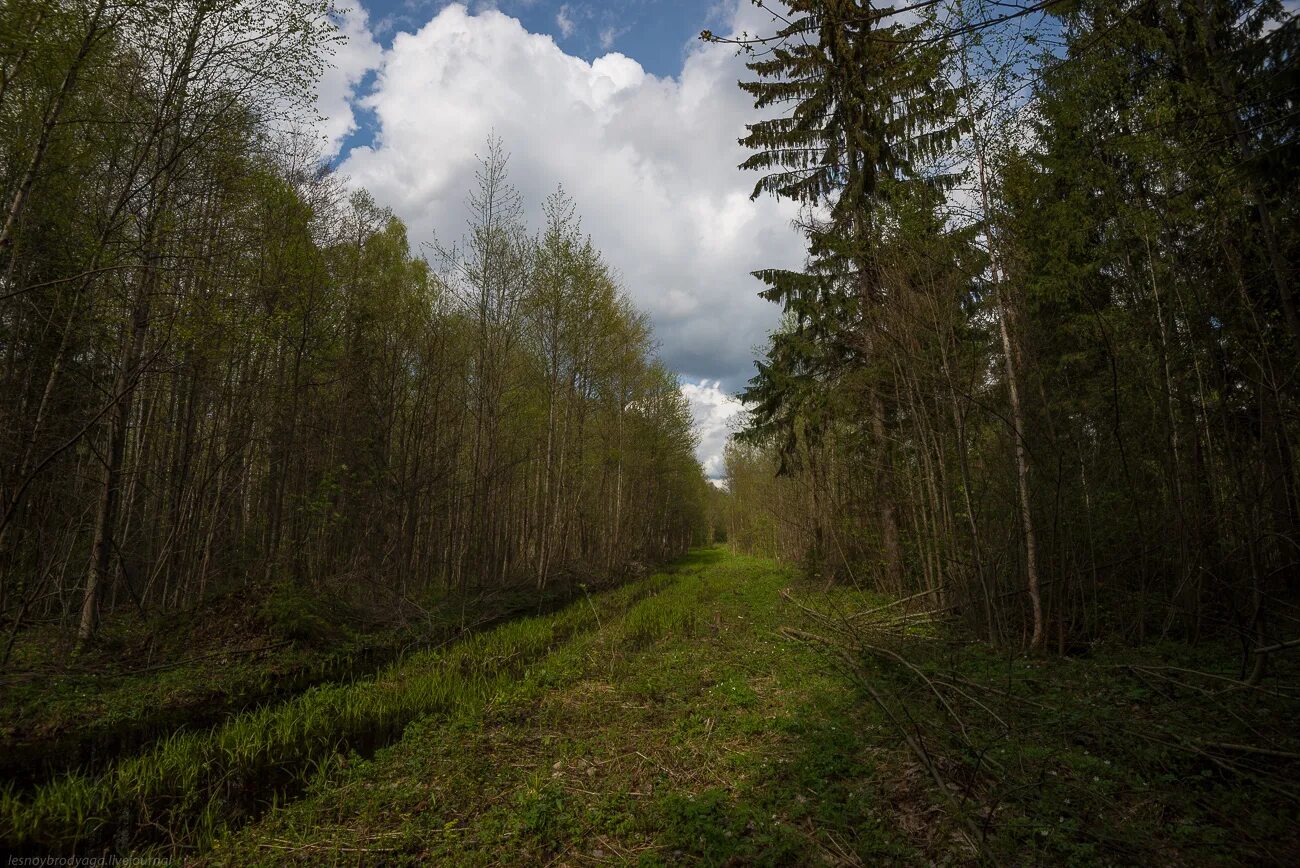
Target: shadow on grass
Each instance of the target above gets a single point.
(819, 799)
(1070, 778)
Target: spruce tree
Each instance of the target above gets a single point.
(865, 108)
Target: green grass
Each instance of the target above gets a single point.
(682, 727)
(694, 732)
(192, 784)
(145, 680)
(687, 731)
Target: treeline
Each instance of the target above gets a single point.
(1042, 362)
(222, 371)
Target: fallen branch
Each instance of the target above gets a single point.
(975, 838)
(876, 611)
(1269, 649)
(1247, 748)
(1229, 767)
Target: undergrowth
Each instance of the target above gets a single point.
(192, 784)
(697, 719)
(145, 679)
(1150, 755)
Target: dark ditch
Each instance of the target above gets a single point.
(26, 763)
(243, 798)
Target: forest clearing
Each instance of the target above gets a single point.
(650, 432)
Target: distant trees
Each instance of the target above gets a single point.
(220, 369)
(1085, 362)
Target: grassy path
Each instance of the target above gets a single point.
(688, 729)
(671, 721)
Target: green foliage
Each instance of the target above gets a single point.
(1079, 374)
(293, 613)
(864, 106)
(222, 370)
(194, 784)
(541, 815)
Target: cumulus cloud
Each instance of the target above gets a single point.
(650, 161)
(716, 414)
(349, 65)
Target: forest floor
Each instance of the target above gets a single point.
(147, 678)
(692, 717)
(696, 730)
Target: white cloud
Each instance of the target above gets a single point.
(716, 414)
(351, 61)
(564, 21)
(609, 35)
(651, 163)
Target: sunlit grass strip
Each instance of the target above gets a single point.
(191, 784)
(675, 613)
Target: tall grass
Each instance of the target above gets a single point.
(190, 785)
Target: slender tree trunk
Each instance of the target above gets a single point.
(102, 543)
(1010, 358)
(1022, 479)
